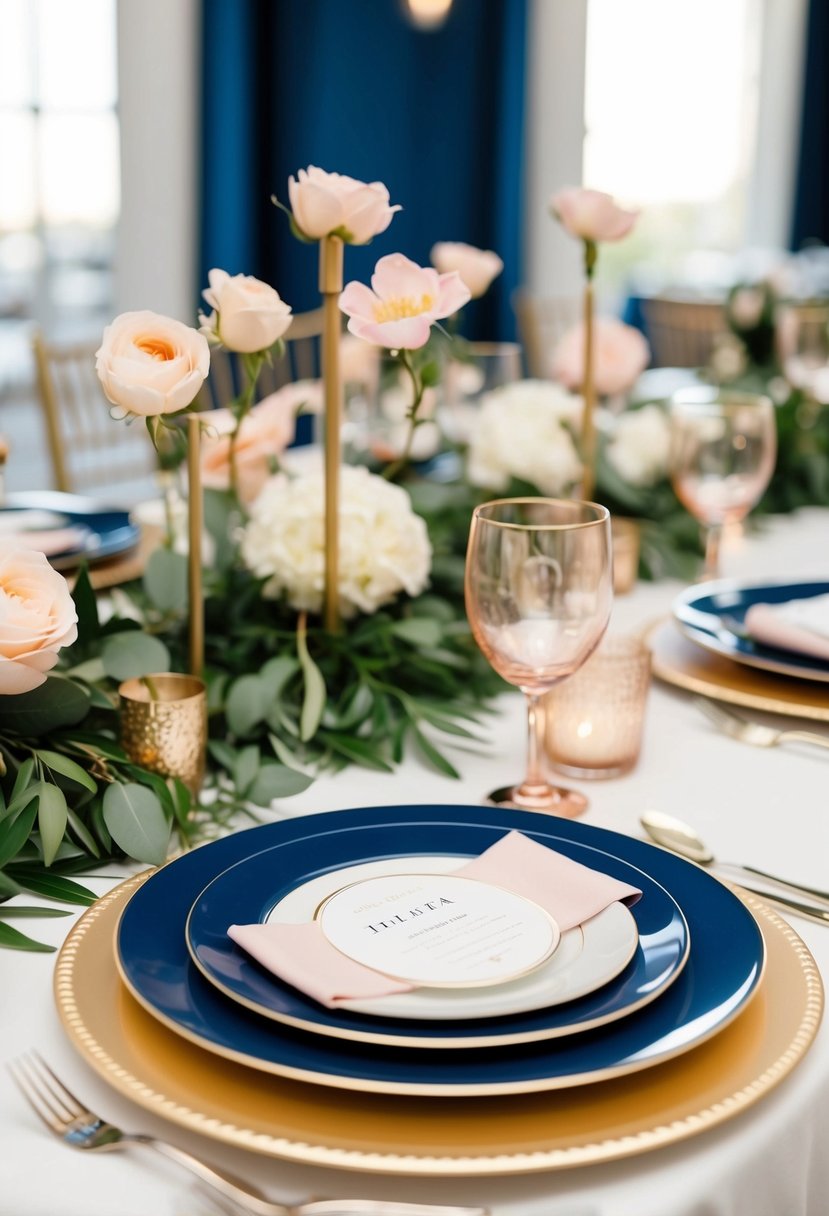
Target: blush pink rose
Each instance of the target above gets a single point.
(323, 204)
(37, 618)
(620, 355)
(248, 315)
(263, 436)
(150, 364)
(477, 267)
(403, 303)
(591, 214)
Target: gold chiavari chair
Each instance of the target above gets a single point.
(87, 449)
(301, 361)
(682, 332)
(541, 325)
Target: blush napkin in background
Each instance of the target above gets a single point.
(302, 956)
(798, 625)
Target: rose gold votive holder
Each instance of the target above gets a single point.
(625, 539)
(164, 725)
(594, 718)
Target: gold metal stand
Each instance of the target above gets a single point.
(331, 285)
(588, 426)
(195, 514)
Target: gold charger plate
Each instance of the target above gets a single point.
(679, 661)
(171, 1077)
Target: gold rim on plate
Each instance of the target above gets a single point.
(678, 661)
(169, 1076)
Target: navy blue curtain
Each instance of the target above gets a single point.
(811, 208)
(351, 86)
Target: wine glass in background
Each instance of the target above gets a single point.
(803, 346)
(539, 588)
(723, 450)
(474, 370)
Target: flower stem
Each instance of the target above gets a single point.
(397, 466)
(240, 409)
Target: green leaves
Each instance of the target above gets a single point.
(132, 653)
(246, 704)
(51, 820)
(313, 702)
(59, 763)
(13, 939)
(136, 821)
(277, 781)
(57, 702)
(165, 582)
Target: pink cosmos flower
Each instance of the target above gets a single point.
(403, 303)
(591, 215)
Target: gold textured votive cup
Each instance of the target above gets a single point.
(164, 725)
(625, 539)
(594, 718)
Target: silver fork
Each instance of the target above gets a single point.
(755, 733)
(75, 1124)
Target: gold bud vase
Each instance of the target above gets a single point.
(164, 725)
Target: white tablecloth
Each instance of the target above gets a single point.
(766, 807)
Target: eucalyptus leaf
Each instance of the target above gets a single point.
(358, 752)
(313, 702)
(83, 833)
(136, 821)
(245, 706)
(245, 769)
(13, 939)
(55, 703)
(24, 776)
(420, 631)
(67, 768)
(283, 753)
(14, 832)
(27, 911)
(51, 820)
(165, 581)
(132, 654)
(277, 781)
(86, 606)
(276, 673)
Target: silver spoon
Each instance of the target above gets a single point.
(673, 834)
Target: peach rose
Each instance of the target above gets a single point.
(247, 316)
(326, 204)
(37, 617)
(407, 299)
(264, 434)
(591, 214)
(477, 267)
(620, 355)
(150, 364)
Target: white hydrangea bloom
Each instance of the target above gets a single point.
(640, 445)
(384, 545)
(522, 431)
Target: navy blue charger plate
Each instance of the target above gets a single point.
(713, 615)
(110, 529)
(248, 891)
(723, 970)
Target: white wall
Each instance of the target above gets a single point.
(557, 35)
(781, 64)
(158, 74)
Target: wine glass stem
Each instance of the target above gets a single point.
(534, 780)
(712, 551)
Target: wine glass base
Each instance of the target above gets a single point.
(567, 804)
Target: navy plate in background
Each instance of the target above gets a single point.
(111, 532)
(713, 615)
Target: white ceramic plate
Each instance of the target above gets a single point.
(586, 958)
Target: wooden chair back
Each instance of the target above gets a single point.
(87, 448)
(301, 361)
(681, 332)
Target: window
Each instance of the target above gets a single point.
(59, 186)
(671, 100)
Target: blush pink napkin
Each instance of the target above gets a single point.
(799, 625)
(303, 957)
